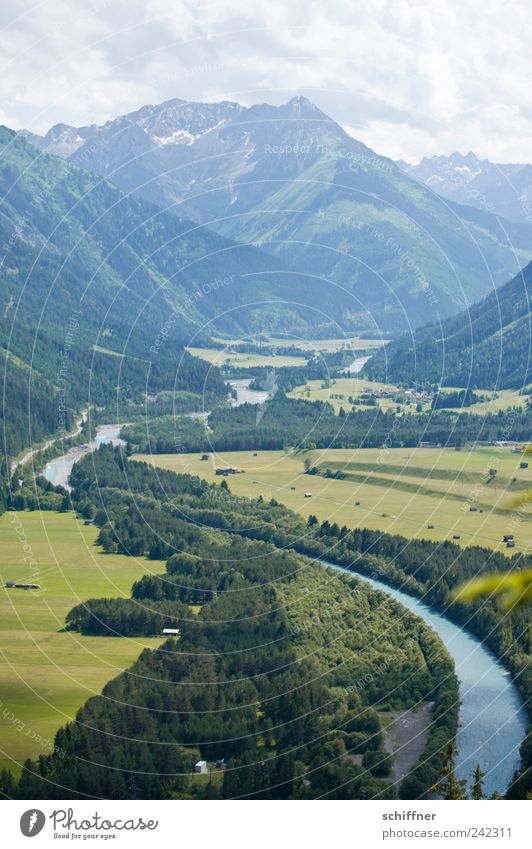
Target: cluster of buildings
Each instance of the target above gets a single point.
(417, 396)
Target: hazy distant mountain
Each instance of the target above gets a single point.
(291, 180)
(503, 189)
(175, 150)
(489, 345)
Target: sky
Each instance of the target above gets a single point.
(409, 79)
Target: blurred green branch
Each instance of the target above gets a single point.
(514, 588)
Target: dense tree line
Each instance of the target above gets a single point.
(457, 398)
(4, 484)
(166, 435)
(257, 677)
(123, 388)
(124, 617)
(289, 422)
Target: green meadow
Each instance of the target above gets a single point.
(496, 401)
(219, 357)
(340, 389)
(354, 343)
(46, 673)
(399, 490)
(231, 354)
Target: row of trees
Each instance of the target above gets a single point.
(293, 422)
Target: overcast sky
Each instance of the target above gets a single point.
(407, 78)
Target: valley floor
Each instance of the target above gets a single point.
(399, 490)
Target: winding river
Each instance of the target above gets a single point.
(245, 395)
(357, 365)
(58, 470)
(493, 719)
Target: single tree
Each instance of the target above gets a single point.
(477, 787)
(449, 786)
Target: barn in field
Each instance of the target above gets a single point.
(15, 585)
(201, 767)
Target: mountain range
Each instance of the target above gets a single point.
(388, 253)
(184, 220)
(88, 272)
(505, 190)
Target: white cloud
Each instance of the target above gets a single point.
(410, 78)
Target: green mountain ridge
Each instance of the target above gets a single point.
(488, 346)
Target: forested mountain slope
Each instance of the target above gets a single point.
(488, 346)
(84, 266)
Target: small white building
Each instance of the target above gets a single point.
(201, 767)
(170, 632)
